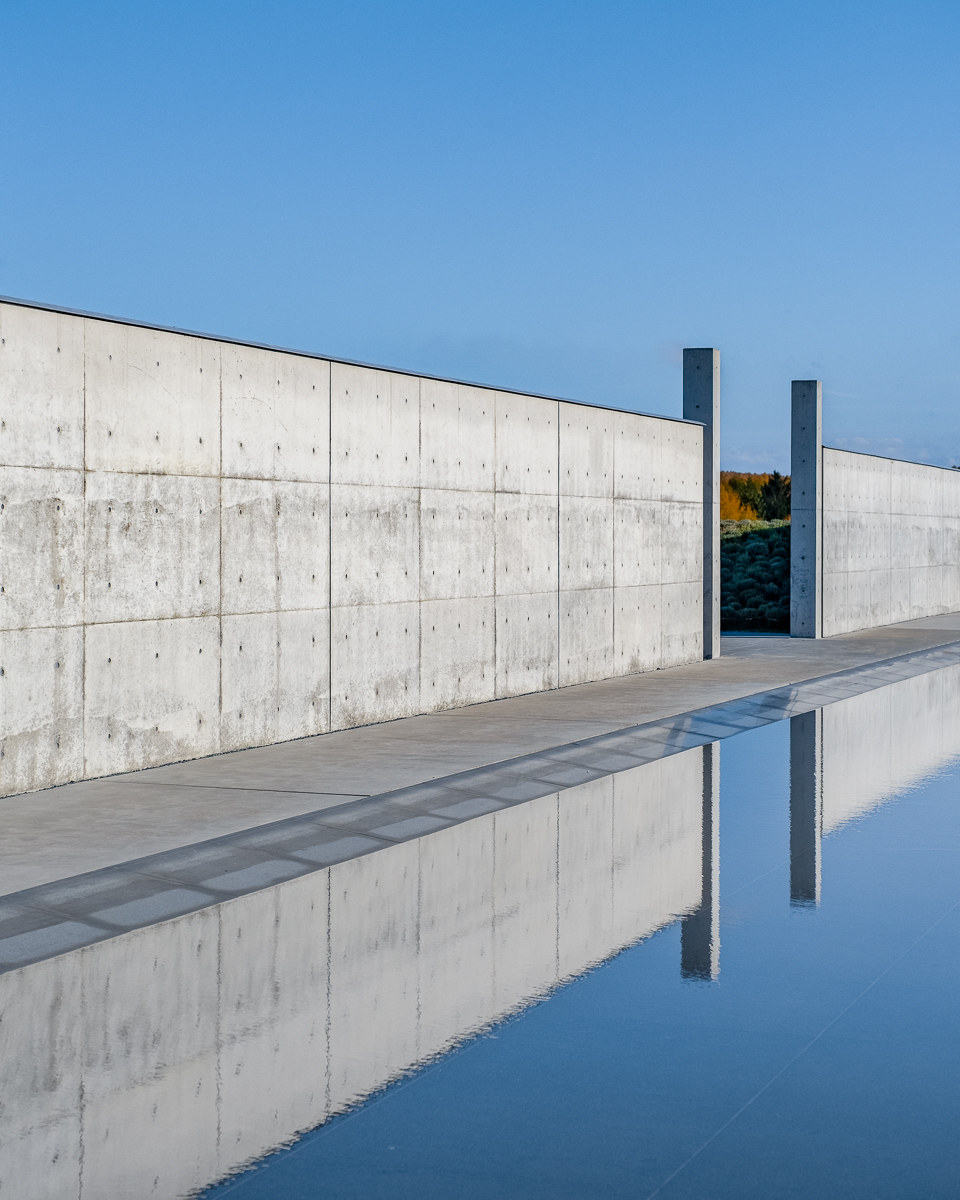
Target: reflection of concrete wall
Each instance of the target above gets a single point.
(882, 742)
(891, 541)
(206, 546)
(157, 1061)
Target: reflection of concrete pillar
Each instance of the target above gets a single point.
(806, 508)
(700, 932)
(806, 806)
(701, 402)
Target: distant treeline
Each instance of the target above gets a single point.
(749, 497)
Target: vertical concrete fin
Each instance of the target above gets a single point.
(806, 522)
(806, 807)
(701, 402)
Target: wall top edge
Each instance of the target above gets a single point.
(332, 358)
(911, 462)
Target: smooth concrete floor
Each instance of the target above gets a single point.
(80, 827)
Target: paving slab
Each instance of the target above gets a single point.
(88, 826)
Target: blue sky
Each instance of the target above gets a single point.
(547, 196)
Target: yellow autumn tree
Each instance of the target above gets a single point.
(739, 491)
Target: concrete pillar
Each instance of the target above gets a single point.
(700, 932)
(806, 508)
(701, 402)
(806, 807)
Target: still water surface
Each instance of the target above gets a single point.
(783, 1025)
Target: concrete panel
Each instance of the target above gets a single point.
(457, 544)
(681, 531)
(527, 445)
(457, 437)
(304, 673)
(587, 648)
(41, 547)
(275, 545)
(899, 594)
(375, 545)
(680, 604)
(834, 600)
(835, 554)
(276, 415)
(152, 401)
(525, 902)
(375, 427)
(527, 544)
(636, 542)
(41, 1080)
(681, 457)
(275, 680)
(151, 693)
(587, 438)
(41, 708)
(457, 652)
(455, 934)
(41, 388)
(152, 547)
(150, 1060)
(373, 970)
(527, 643)
(637, 630)
(951, 495)
(374, 673)
(250, 664)
(586, 542)
(637, 457)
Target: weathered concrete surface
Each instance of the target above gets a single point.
(160, 1060)
(701, 402)
(84, 826)
(207, 546)
(891, 541)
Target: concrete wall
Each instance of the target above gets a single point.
(891, 541)
(158, 1061)
(874, 540)
(206, 546)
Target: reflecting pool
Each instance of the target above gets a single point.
(730, 972)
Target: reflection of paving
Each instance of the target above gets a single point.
(49, 919)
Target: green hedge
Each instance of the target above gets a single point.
(755, 580)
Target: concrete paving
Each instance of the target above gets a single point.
(85, 826)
